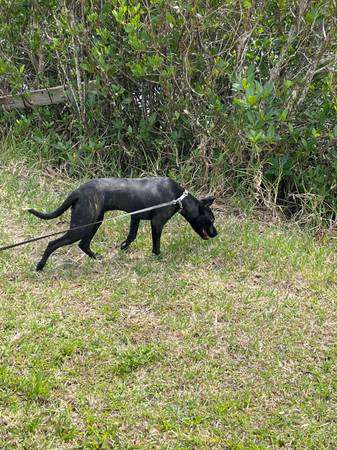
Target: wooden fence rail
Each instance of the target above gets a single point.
(40, 97)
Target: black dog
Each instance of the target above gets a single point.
(91, 200)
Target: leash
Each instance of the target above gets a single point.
(177, 201)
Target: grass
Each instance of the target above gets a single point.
(224, 344)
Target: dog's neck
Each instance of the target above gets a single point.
(190, 208)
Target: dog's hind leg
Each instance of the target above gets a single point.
(84, 244)
(134, 225)
(82, 213)
(69, 238)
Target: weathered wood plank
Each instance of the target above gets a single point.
(39, 97)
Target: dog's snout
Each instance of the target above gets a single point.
(213, 232)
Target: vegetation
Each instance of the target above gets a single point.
(236, 96)
(229, 343)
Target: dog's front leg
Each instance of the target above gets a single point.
(156, 229)
(134, 224)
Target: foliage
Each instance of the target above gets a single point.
(233, 95)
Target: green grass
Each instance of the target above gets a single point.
(229, 343)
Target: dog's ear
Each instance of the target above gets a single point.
(207, 201)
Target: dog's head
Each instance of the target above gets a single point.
(203, 222)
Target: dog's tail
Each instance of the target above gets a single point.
(69, 201)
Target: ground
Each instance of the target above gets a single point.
(223, 344)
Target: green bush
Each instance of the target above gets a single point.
(236, 96)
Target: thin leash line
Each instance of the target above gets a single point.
(122, 216)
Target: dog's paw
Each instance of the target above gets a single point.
(98, 257)
(124, 245)
(39, 266)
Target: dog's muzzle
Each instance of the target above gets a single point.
(208, 234)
